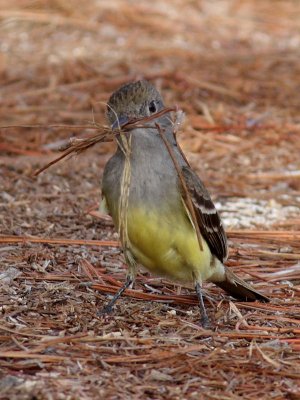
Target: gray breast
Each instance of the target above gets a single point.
(154, 180)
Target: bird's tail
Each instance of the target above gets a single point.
(239, 289)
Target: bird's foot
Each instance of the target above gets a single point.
(205, 322)
(108, 309)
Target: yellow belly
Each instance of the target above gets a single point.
(167, 245)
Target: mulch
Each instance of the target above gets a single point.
(233, 67)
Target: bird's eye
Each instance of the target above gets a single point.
(152, 107)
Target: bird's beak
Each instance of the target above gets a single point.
(119, 122)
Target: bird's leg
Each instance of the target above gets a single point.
(204, 317)
(109, 307)
(132, 267)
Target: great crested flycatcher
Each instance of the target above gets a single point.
(161, 235)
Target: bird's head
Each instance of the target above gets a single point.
(133, 100)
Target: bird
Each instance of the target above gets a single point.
(161, 228)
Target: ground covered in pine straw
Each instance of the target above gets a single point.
(233, 67)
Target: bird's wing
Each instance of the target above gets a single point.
(208, 219)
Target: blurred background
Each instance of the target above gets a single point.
(233, 67)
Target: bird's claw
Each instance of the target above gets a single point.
(105, 311)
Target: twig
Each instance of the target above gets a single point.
(47, 18)
(186, 194)
(105, 134)
(67, 242)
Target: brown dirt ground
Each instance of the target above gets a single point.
(233, 67)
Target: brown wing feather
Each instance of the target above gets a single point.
(208, 218)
